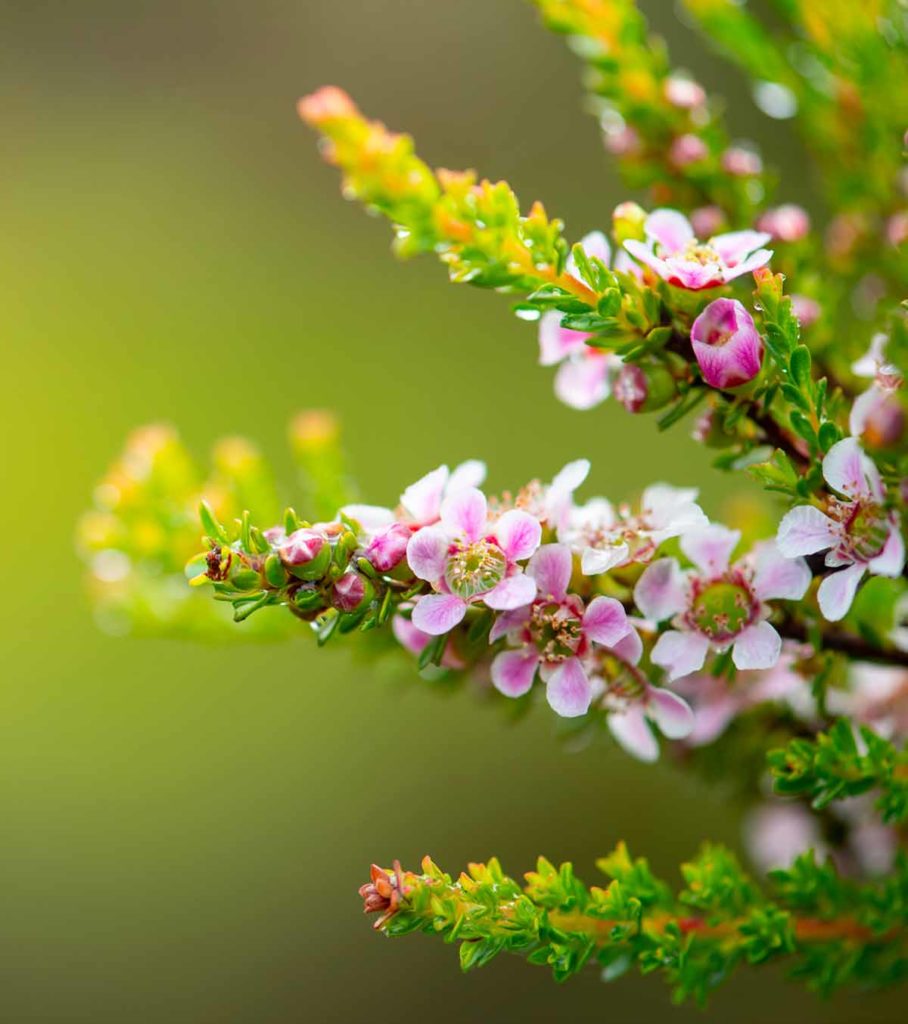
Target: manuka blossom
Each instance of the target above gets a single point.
(717, 605)
(606, 537)
(786, 223)
(554, 634)
(468, 559)
(878, 414)
(727, 345)
(673, 251)
(856, 530)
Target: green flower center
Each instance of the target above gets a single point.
(722, 608)
(555, 630)
(475, 569)
(867, 531)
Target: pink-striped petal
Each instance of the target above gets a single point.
(669, 228)
(582, 382)
(645, 254)
(735, 246)
(753, 262)
(512, 621)
(758, 646)
(605, 621)
(670, 712)
(680, 653)
(568, 690)
(422, 500)
(427, 553)
(551, 568)
(661, 591)
(778, 577)
(436, 614)
(470, 473)
(633, 733)
(465, 513)
(837, 591)
(518, 534)
(556, 342)
(630, 647)
(804, 531)
(692, 275)
(848, 470)
(710, 548)
(513, 592)
(408, 636)
(513, 672)
(891, 560)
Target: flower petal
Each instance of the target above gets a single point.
(465, 513)
(629, 647)
(669, 228)
(891, 560)
(691, 274)
(680, 653)
(422, 500)
(369, 517)
(605, 621)
(632, 732)
(645, 254)
(661, 591)
(407, 635)
(568, 690)
(671, 713)
(758, 646)
(753, 262)
(595, 245)
(551, 568)
(436, 614)
(582, 382)
(837, 591)
(848, 470)
(710, 547)
(513, 672)
(735, 246)
(518, 534)
(595, 561)
(470, 473)
(778, 577)
(804, 531)
(509, 622)
(427, 553)
(556, 342)
(513, 592)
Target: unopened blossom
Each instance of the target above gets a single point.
(775, 834)
(622, 141)
(707, 220)
(684, 92)
(554, 634)
(855, 529)
(468, 559)
(606, 537)
(305, 553)
(673, 251)
(718, 605)
(806, 309)
(387, 546)
(631, 387)
(741, 162)
(687, 149)
(878, 416)
(727, 345)
(787, 223)
(897, 228)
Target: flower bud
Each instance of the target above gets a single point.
(787, 223)
(727, 345)
(707, 221)
(684, 93)
(306, 553)
(387, 548)
(741, 162)
(623, 141)
(351, 592)
(627, 222)
(644, 387)
(687, 149)
(807, 310)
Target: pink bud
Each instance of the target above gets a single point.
(301, 547)
(622, 142)
(807, 310)
(687, 149)
(388, 547)
(630, 387)
(683, 92)
(351, 592)
(741, 162)
(727, 345)
(897, 228)
(788, 223)
(707, 221)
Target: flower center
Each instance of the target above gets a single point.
(475, 569)
(555, 630)
(722, 608)
(700, 253)
(867, 530)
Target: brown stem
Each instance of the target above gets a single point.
(854, 646)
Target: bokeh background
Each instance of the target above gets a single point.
(183, 827)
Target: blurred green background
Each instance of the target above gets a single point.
(184, 826)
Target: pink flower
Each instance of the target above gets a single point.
(856, 531)
(553, 634)
(674, 253)
(707, 220)
(415, 641)
(387, 547)
(467, 559)
(687, 149)
(683, 92)
(775, 834)
(606, 538)
(717, 606)
(727, 345)
(628, 721)
(806, 309)
(787, 223)
(741, 162)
